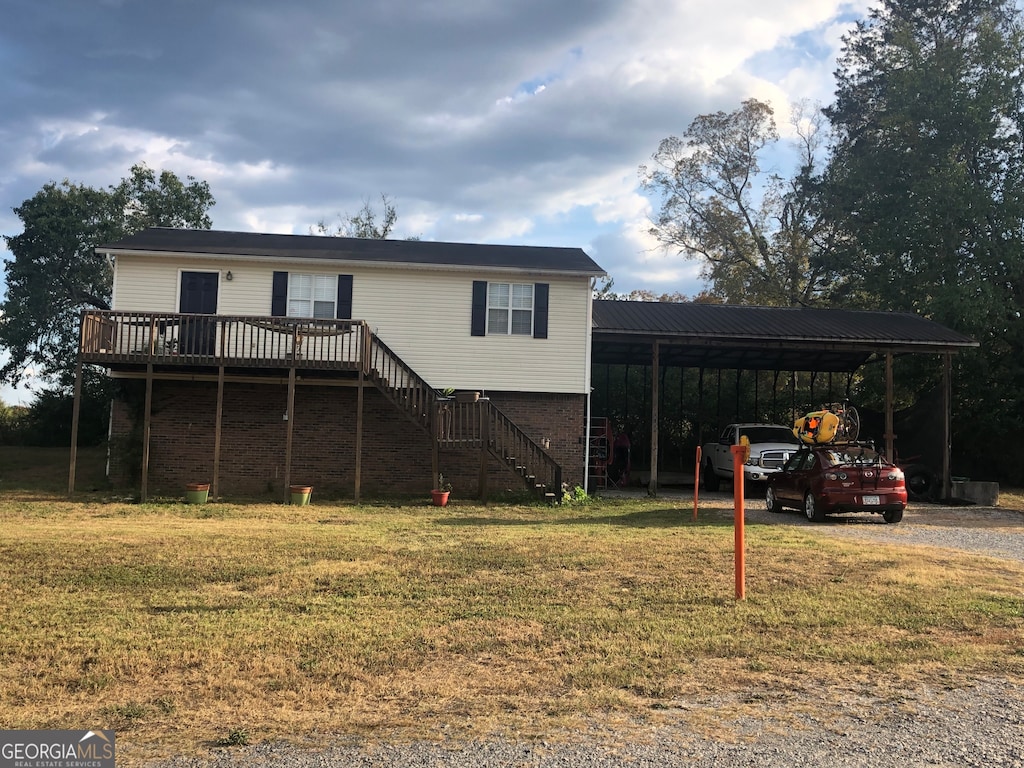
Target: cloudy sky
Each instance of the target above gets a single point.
(493, 121)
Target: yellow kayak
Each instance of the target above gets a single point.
(817, 428)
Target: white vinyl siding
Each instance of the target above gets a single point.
(423, 315)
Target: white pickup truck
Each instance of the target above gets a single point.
(770, 446)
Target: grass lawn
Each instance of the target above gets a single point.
(181, 626)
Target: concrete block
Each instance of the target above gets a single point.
(976, 492)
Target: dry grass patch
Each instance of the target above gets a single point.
(1011, 498)
(182, 625)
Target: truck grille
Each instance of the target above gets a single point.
(773, 459)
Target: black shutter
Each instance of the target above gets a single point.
(540, 310)
(344, 297)
(478, 325)
(279, 295)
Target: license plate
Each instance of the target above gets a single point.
(870, 501)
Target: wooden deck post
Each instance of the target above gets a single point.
(483, 414)
(75, 412)
(217, 431)
(289, 430)
(435, 443)
(147, 428)
(359, 437)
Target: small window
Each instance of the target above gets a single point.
(510, 309)
(312, 296)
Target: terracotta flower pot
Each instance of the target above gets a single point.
(439, 497)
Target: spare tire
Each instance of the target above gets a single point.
(921, 482)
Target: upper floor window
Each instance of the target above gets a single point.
(510, 308)
(312, 296)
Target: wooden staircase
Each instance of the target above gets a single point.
(451, 423)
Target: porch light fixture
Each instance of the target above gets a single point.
(229, 276)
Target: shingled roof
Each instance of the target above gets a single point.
(165, 241)
(766, 338)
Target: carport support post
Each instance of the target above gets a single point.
(947, 397)
(652, 486)
(890, 435)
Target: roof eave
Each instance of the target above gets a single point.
(370, 263)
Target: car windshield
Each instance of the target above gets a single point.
(854, 455)
(769, 435)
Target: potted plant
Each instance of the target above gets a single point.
(440, 493)
(300, 494)
(197, 493)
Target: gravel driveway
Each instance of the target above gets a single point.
(985, 530)
(980, 725)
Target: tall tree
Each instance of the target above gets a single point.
(56, 273)
(758, 235)
(928, 166)
(364, 224)
(927, 177)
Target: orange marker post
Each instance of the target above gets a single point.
(696, 483)
(739, 457)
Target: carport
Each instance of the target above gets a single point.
(717, 337)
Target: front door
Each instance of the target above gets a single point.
(198, 297)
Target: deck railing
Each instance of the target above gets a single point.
(112, 337)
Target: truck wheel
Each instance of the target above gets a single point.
(709, 478)
(771, 501)
(920, 482)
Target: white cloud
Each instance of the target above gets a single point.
(492, 122)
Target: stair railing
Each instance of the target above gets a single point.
(522, 454)
(463, 425)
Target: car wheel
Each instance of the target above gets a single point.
(893, 517)
(710, 478)
(811, 510)
(771, 501)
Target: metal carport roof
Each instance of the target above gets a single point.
(761, 338)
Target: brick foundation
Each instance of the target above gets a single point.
(396, 455)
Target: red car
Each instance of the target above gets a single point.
(839, 477)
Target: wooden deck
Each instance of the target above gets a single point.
(158, 342)
(111, 338)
